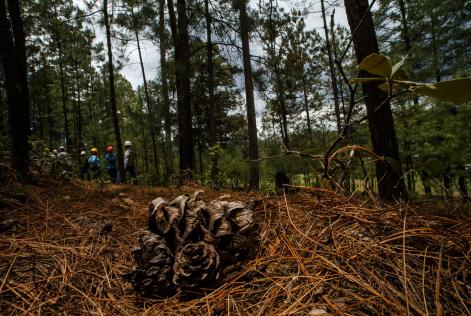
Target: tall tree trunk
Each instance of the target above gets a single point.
(199, 141)
(144, 149)
(49, 121)
(254, 166)
(60, 50)
(306, 106)
(407, 144)
(390, 184)
(426, 182)
(436, 59)
(340, 90)
(79, 111)
(150, 108)
(13, 55)
(63, 97)
(212, 108)
(282, 107)
(164, 92)
(182, 74)
(114, 110)
(333, 76)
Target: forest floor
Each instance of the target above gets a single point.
(319, 254)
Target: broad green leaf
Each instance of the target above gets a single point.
(400, 74)
(360, 80)
(397, 66)
(458, 90)
(376, 64)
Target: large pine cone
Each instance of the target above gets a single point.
(205, 239)
(153, 273)
(196, 265)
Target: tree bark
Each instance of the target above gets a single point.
(114, 111)
(426, 182)
(150, 109)
(333, 77)
(306, 107)
(13, 55)
(164, 91)
(212, 109)
(254, 167)
(407, 144)
(182, 74)
(390, 184)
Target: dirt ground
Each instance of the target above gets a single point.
(319, 254)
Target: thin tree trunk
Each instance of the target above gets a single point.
(212, 109)
(306, 106)
(436, 60)
(114, 111)
(254, 167)
(340, 90)
(390, 184)
(150, 108)
(144, 149)
(13, 55)
(63, 95)
(333, 76)
(407, 145)
(199, 141)
(164, 92)
(49, 121)
(79, 111)
(282, 108)
(426, 182)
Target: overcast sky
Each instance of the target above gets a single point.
(151, 59)
(150, 52)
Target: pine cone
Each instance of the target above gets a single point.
(239, 244)
(164, 221)
(196, 265)
(218, 224)
(153, 273)
(205, 240)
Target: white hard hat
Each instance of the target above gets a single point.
(61, 148)
(55, 151)
(127, 143)
(83, 153)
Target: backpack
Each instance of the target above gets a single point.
(94, 162)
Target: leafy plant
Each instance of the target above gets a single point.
(394, 77)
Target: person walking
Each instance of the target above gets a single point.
(94, 163)
(84, 165)
(111, 164)
(130, 161)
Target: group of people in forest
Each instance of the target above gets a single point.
(59, 163)
(91, 164)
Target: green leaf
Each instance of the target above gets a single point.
(400, 74)
(458, 90)
(398, 66)
(360, 80)
(377, 64)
